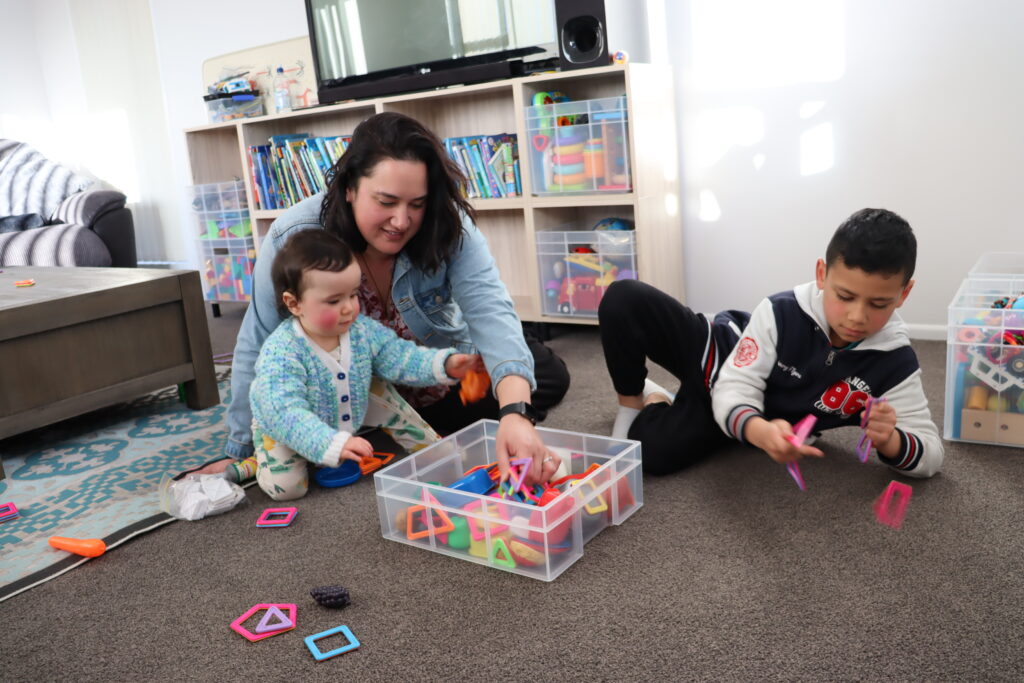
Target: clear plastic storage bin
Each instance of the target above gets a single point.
(418, 507)
(227, 107)
(226, 250)
(576, 267)
(985, 354)
(227, 267)
(579, 146)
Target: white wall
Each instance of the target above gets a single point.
(921, 102)
(187, 33)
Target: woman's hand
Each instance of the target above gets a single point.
(518, 438)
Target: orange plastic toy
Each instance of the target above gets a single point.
(474, 386)
(87, 547)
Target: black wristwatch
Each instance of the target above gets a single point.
(521, 408)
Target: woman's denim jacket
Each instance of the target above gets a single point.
(464, 304)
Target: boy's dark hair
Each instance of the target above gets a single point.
(391, 135)
(311, 249)
(875, 241)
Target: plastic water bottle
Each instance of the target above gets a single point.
(282, 92)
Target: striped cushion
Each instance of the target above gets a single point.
(54, 245)
(84, 207)
(31, 183)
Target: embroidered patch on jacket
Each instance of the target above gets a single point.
(746, 352)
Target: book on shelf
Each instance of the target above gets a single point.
(487, 161)
(292, 167)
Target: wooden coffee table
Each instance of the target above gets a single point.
(85, 338)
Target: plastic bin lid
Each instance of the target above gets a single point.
(999, 263)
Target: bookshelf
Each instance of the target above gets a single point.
(219, 152)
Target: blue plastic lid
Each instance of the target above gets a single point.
(343, 475)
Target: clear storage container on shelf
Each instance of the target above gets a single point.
(229, 106)
(579, 146)
(985, 354)
(418, 506)
(226, 266)
(576, 268)
(227, 252)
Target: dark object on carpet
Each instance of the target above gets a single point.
(331, 596)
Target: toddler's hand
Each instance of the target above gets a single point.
(458, 364)
(881, 426)
(357, 448)
(771, 438)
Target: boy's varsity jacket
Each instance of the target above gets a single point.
(313, 401)
(784, 366)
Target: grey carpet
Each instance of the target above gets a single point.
(728, 572)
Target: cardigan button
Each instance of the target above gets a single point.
(346, 418)
(344, 399)
(341, 375)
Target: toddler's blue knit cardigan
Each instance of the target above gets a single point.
(293, 396)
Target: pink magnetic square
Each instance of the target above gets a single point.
(884, 510)
(273, 517)
(237, 627)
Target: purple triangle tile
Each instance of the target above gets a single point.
(266, 625)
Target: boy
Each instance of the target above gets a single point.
(822, 348)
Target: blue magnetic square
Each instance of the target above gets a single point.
(321, 656)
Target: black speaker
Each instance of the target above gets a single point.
(582, 33)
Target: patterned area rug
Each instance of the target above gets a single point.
(97, 476)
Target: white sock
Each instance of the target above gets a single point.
(652, 387)
(623, 421)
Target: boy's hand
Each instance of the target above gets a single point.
(770, 437)
(458, 364)
(357, 448)
(881, 428)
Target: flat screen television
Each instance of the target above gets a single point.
(370, 48)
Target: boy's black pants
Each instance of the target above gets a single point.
(639, 323)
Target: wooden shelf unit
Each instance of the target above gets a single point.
(219, 152)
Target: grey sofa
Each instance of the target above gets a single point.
(89, 228)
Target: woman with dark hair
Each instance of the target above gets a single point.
(395, 199)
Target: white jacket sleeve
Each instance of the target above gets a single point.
(738, 394)
(921, 451)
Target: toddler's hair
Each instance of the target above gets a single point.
(875, 241)
(312, 249)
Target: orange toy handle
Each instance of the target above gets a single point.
(87, 547)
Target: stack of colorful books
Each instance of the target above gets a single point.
(293, 167)
(490, 163)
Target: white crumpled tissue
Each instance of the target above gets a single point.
(199, 495)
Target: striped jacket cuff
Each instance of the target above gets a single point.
(909, 455)
(737, 421)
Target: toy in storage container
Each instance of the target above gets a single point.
(418, 506)
(985, 354)
(227, 252)
(579, 146)
(576, 267)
